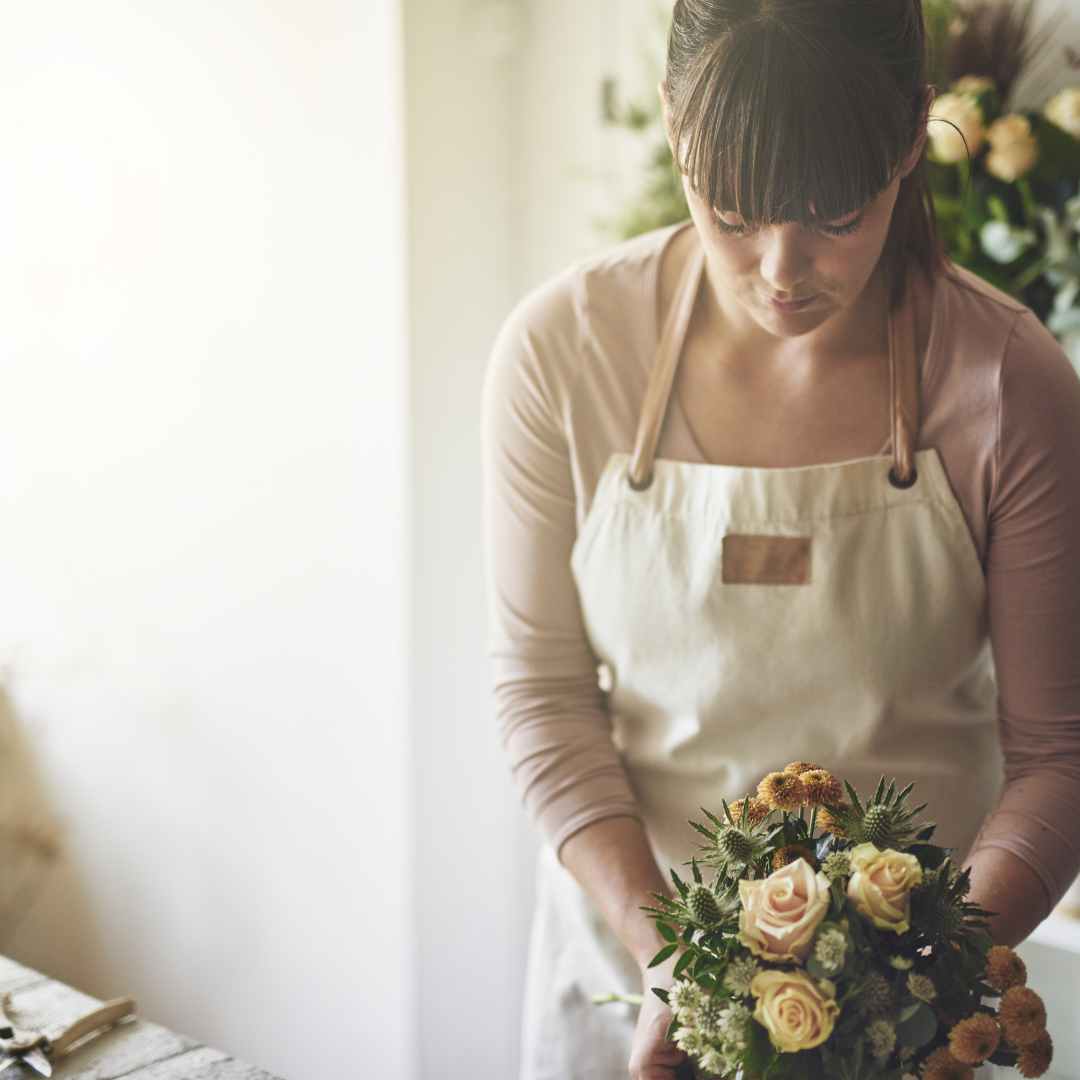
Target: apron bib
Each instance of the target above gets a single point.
(748, 617)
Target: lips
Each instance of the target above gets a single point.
(791, 305)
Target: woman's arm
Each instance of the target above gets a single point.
(1028, 850)
(612, 861)
(552, 717)
(1003, 883)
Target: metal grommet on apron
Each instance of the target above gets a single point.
(749, 617)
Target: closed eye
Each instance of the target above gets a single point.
(832, 230)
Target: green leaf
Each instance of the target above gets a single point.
(661, 994)
(697, 872)
(662, 955)
(707, 833)
(666, 932)
(679, 884)
(854, 796)
(919, 1028)
(671, 1029)
(909, 1011)
(682, 963)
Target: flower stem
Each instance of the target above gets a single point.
(605, 999)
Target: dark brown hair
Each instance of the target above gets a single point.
(779, 103)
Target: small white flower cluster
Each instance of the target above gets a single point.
(712, 1030)
(829, 949)
(881, 1036)
(739, 974)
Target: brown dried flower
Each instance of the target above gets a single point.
(974, 1038)
(782, 791)
(821, 787)
(941, 1065)
(756, 813)
(1035, 1058)
(1004, 968)
(789, 853)
(1022, 1014)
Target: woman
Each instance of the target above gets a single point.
(779, 483)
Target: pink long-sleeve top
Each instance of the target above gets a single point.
(563, 390)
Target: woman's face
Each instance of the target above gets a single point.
(826, 268)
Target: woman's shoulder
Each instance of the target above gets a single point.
(601, 300)
(982, 332)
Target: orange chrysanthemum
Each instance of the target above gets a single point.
(1022, 1015)
(789, 853)
(782, 791)
(757, 811)
(941, 1065)
(799, 767)
(1035, 1058)
(826, 821)
(1004, 968)
(974, 1038)
(821, 787)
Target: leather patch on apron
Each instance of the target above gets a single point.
(761, 559)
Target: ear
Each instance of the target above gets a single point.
(920, 141)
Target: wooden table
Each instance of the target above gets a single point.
(135, 1049)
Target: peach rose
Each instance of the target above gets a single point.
(797, 1012)
(1063, 109)
(881, 884)
(1014, 150)
(780, 913)
(946, 143)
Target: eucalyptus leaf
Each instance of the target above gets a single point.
(919, 1028)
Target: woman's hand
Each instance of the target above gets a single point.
(652, 1056)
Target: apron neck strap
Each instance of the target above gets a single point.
(663, 370)
(903, 380)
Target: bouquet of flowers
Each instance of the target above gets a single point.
(837, 946)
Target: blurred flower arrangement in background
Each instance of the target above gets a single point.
(1005, 180)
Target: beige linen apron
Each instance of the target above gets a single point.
(748, 617)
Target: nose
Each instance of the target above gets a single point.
(786, 260)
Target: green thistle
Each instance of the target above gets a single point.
(885, 821)
(735, 849)
(876, 996)
(703, 906)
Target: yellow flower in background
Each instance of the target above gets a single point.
(1013, 147)
(1063, 109)
(972, 84)
(781, 913)
(946, 143)
(881, 884)
(797, 1012)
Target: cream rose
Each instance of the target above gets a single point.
(797, 1012)
(1013, 147)
(1063, 109)
(780, 913)
(881, 884)
(972, 84)
(946, 143)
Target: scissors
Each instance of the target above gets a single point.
(39, 1049)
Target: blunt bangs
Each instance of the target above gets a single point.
(769, 123)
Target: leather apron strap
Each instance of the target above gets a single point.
(903, 381)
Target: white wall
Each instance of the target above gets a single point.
(204, 542)
(507, 166)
